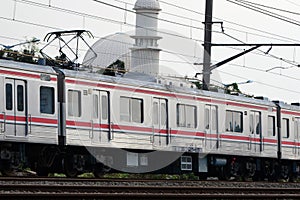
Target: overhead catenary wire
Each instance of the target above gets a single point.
(164, 12)
(270, 7)
(149, 16)
(32, 23)
(233, 23)
(262, 83)
(103, 18)
(55, 28)
(115, 21)
(265, 12)
(268, 54)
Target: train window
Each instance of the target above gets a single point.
(74, 103)
(234, 121)
(186, 116)
(9, 96)
(271, 126)
(95, 106)
(214, 118)
(125, 109)
(251, 123)
(180, 115)
(137, 110)
(285, 128)
(104, 101)
(191, 116)
(186, 163)
(131, 110)
(207, 118)
(47, 100)
(297, 128)
(155, 113)
(210, 117)
(163, 114)
(20, 98)
(255, 122)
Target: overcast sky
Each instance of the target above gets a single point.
(35, 18)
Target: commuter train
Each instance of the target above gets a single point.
(59, 120)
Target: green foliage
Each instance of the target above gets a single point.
(59, 175)
(198, 84)
(26, 54)
(86, 175)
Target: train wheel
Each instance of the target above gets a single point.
(248, 170)
(285, 173)
(202, 176)
(224, 173)
(42, 171)
(69, 167)
(100, 169)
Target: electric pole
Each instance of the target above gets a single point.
(207, 45)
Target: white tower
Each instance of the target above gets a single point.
(145, 52)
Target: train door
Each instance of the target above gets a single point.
(255, 132)
(211, 127)
(160, 122)
(100, 132)
(296, 135)
(16, 123)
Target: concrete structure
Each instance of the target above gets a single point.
(145, 52)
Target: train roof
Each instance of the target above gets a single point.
(134, 80)
(26, 66)
(152, 84)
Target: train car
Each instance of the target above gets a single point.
(29, 114)
(58, 120)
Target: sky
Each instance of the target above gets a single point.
(274, 75)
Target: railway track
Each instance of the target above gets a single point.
(45, 188)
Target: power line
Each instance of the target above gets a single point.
(291, 2)
(262, 83)
(149, 16)
(61, 29)
(270, 7)
(266, 54)
(289, 39)
(265, 12)
(230, 22)
(164, 12)
(127, 24)
(102, 18)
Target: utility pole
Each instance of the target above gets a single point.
(207, 45)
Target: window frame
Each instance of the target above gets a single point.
(79, 103)
(9, 104)
(273, 126)
(53, 100)
(186, 163)
(182, 113)
(287, 130)
(232, 116)
(131, 110)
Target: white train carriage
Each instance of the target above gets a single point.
(115, 112)
(29, 113)
(28, 107)
(290, 123)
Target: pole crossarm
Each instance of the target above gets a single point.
(212, 67)
(232, 58)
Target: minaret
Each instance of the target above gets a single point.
(145, 52)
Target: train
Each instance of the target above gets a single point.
(71, 121)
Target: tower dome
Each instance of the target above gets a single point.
(147, 4)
